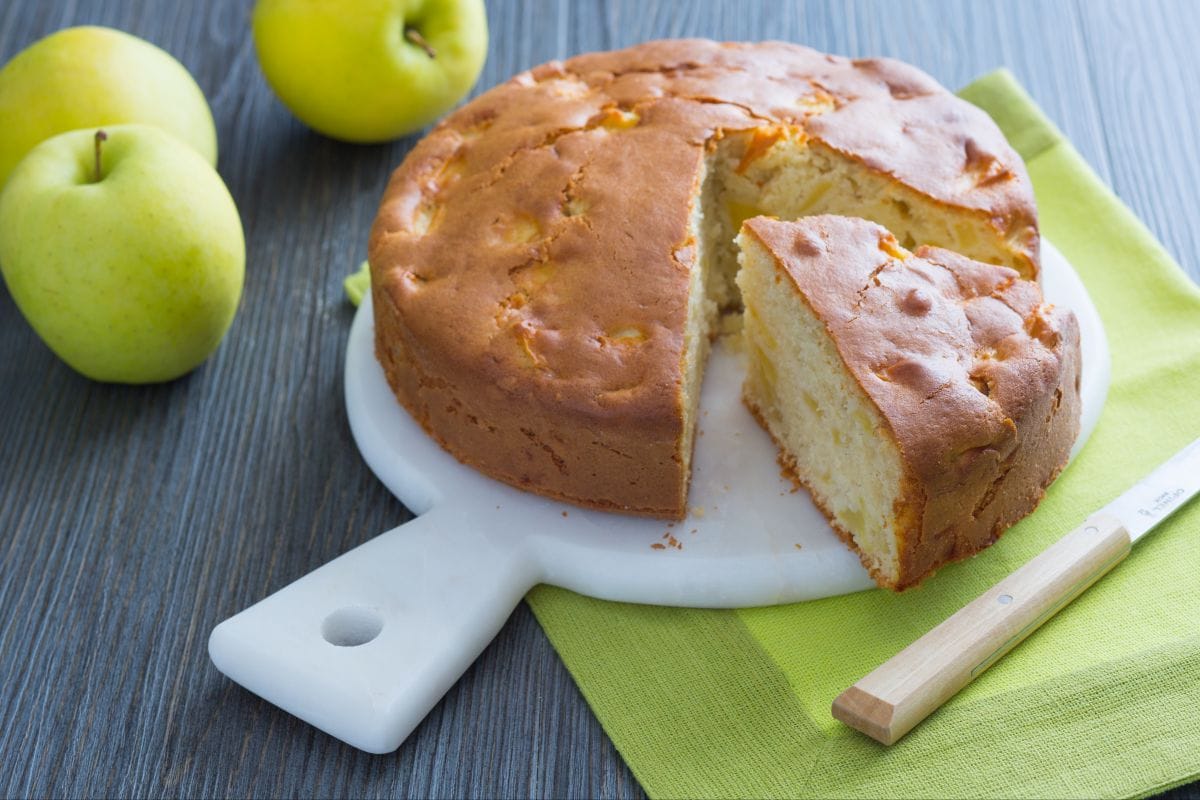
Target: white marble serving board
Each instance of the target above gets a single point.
(364, 646)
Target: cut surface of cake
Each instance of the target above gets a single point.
(549, 263)
(925, 400)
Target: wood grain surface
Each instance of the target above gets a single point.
(132, 520)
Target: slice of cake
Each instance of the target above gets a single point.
(925, 400)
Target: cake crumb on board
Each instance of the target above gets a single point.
(669, 540)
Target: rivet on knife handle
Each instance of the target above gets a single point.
(890, 701)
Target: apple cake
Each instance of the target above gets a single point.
(924, 399)
(549, 264)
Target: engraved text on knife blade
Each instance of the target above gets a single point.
(1159, 494)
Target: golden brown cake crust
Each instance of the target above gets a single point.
(974, 375)
(531, 256)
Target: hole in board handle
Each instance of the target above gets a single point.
(351, 626)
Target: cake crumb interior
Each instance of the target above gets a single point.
(821, 418)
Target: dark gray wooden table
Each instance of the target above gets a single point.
(132, 520)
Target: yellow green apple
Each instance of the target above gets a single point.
(91, 77)
(125, 253)
(370, 70)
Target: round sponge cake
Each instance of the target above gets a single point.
(549, 263)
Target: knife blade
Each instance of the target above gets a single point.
(1159, 494)
(891, 700)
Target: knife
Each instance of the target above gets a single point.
(889, 702)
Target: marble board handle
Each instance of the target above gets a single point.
(366, 645)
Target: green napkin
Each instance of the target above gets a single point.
(358, 284)
(1103, 701)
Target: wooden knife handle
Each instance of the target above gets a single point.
(890, 701)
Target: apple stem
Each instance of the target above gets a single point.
(414, 36)
(100, 137)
